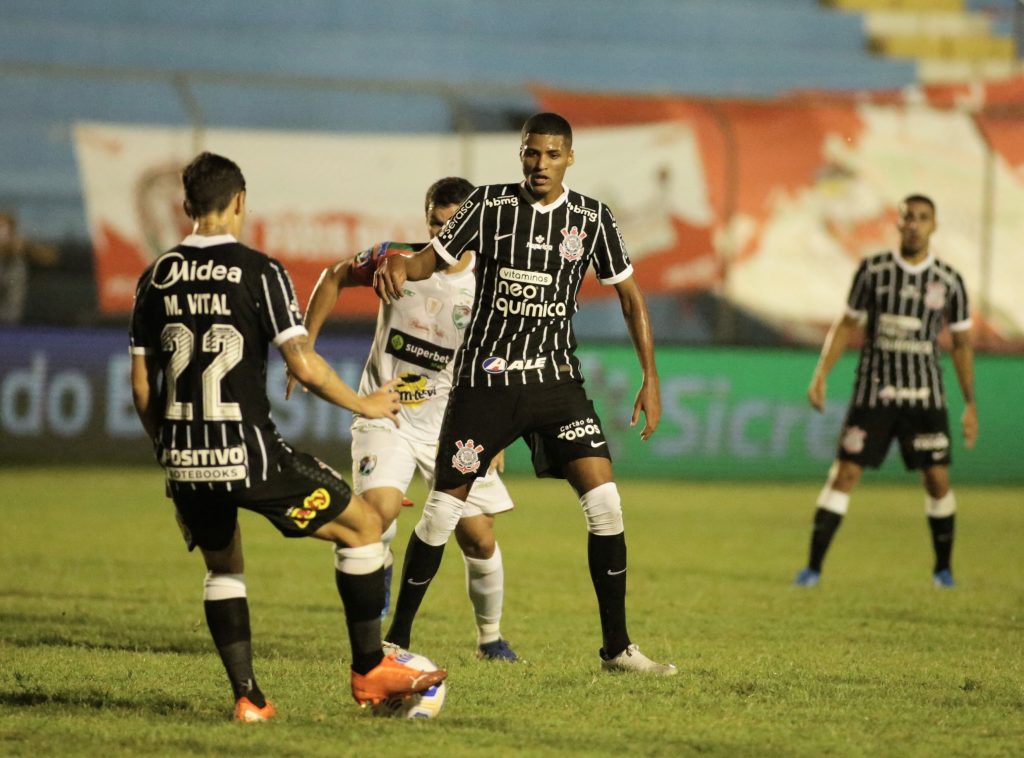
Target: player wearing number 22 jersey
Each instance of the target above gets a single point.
(205, 313)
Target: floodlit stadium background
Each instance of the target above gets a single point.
(752, 150)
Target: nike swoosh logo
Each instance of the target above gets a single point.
(414, 583)
(616, 573)
(501, 237)
(597, 444)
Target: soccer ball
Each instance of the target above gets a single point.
(422, 705)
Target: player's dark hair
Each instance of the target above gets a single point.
(547, 123)
(210, 181)
(451, 190)
(919, 199)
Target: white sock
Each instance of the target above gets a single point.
(485, 582)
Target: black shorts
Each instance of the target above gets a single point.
(557, 421)
(923, 434)
(301, 496)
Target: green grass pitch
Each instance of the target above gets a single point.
(103, 650)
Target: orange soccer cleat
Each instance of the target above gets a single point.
(391, 679)
(248, 713)
(407, 503)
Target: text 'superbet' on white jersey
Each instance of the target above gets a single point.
(207, 310)
(905, 307)
(531, 260)
(416, 340)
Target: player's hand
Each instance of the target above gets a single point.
(648, 402)
(383, 403)
(816, 393)
(389, 278)
(969, 422)
(497, 463)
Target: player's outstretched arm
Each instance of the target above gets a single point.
(394, 270)
(321, 302)
(963, 362)
(836, 340)
(145, 392)
(316, 375)
(638, 322)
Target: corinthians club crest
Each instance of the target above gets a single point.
(467, 459)
(571, 246)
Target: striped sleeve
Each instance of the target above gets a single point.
(461, 229)
(958, 311)
(611, 261)
(860, 292)
(283, 319)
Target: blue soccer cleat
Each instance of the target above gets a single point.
(499, 650)
(807, 578)
(943, 579)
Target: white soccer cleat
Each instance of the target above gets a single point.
(631, 659)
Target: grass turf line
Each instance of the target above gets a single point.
(104, 650)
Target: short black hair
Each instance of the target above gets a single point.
(919, 199)
(452, 190)
(547, 123)
(210, 181)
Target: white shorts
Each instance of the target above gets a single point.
(383, 457)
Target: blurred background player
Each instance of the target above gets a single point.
(415, 342)
(17, 256)
(904, 300)
(517, 374)
(204, 315)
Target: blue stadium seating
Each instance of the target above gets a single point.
(707, 47)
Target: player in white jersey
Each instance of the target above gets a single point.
(415, 341)
(903, 300)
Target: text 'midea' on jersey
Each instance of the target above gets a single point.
(208, 310)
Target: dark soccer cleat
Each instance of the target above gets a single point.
(807, 578)
(943, 579)
(248, 713)
(499, 650)
(390, 679)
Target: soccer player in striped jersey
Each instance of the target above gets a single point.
(415, 340)
(205, 313)
(903, 300)
(517, 375)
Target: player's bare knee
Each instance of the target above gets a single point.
(441, 514)
(843, 476)
(936, 481)
(602, 507)
(475, 544)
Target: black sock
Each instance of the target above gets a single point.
(421, 564)
(825, 525)
(607, 558)
(361, 595)
(228, 621)
(942, 540)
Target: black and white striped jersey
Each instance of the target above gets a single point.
(905, 307)
(207, 310)
(531, 260)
